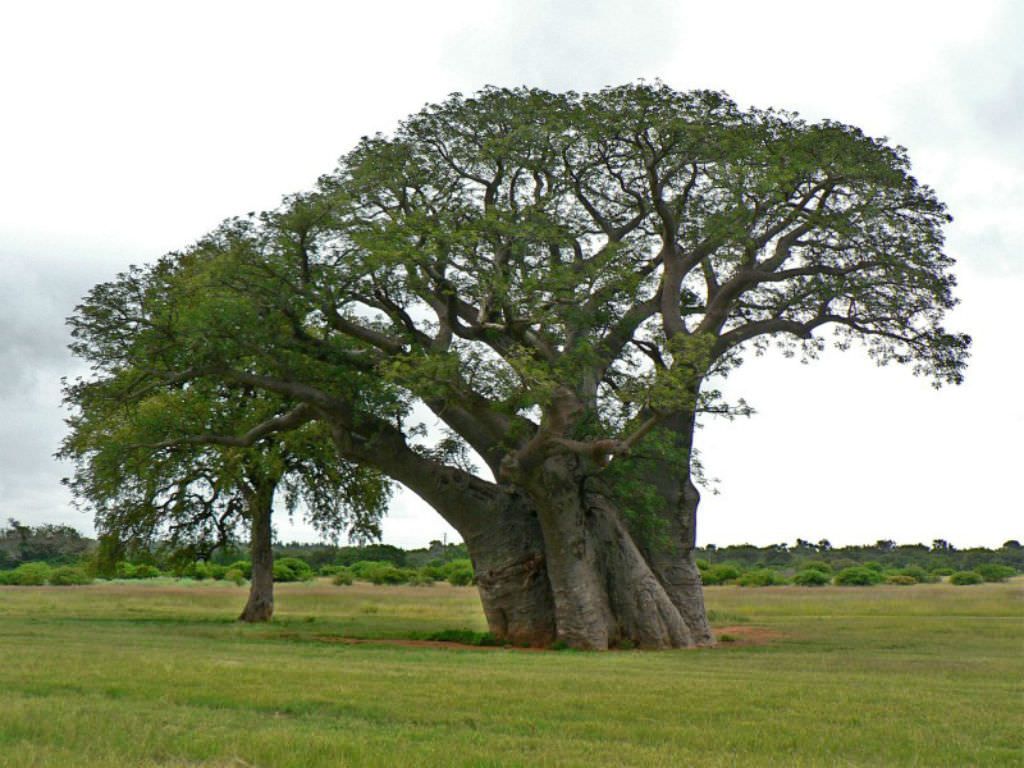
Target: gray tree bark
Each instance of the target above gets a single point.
(554, 558)
(260, 605)
(605, 591)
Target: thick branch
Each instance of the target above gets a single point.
(288, 421)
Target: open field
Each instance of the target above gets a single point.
(158, 674)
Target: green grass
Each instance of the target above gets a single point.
(159, 674)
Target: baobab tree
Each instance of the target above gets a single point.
(558, 280)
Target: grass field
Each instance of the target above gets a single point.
(158, 674)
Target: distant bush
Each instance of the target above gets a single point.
(762, 577)
(342, 576)
(857, 576)
(240, 565)
(723, 573)
(29, 575)
(69, 575)
(146, 571)
(380, 572)
(812, 577)
(292, 569)
(918, 574)
(900, 579)
(360, 567)
(944, 571)
(217, 571)
(963, 578)
(330, 570)
(235, 575)
(434, 570)
(459, 572)
(871, 565)
(200, 571)
(703, 564)
(420, 578)
(994, 572)
(124, 570)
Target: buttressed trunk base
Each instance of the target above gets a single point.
(558, 564)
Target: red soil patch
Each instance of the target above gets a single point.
(740, 635)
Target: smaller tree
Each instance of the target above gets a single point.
(153, 471)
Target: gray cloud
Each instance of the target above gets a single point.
(41, 285)
(965, 127)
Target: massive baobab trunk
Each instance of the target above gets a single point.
(507, 549)
(606, 592)
(554, 557)
(556, 562)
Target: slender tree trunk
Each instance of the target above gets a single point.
(260, 606)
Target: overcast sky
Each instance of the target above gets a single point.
(130, 129)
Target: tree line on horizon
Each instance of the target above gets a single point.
(59, 545)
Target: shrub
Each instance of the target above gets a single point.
(331, 570)
(917, 573)
(236, 575)
(459, 573)
(217, 571)
(420, 578)
(944, 571)
(723, 573)
(899, 578)
(434, 571)
(762, 577)
(292, 569)
(146, 572)
(963, 578)
(342, 576)
(361, 567)
(994, 572)
(380, 572)
(69, 575)
(811, 577)
(871, 565)
(29, 575)
(124, 570)
(703, 564)
(857, 576)
(241, 565)
(200, 571)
